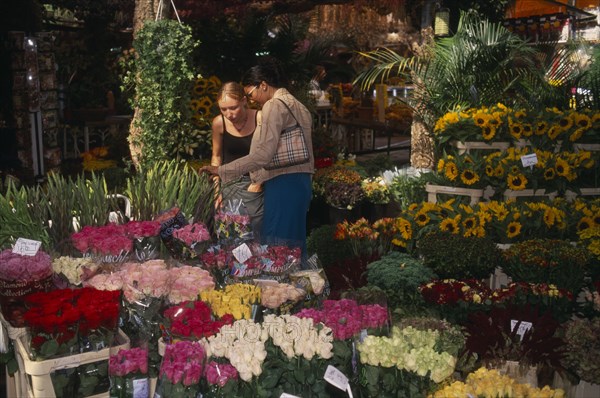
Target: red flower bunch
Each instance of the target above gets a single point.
(452, 291)
(192, 319)
(346, 318)
(510, 292)
(278, 259)
(216, 258)
(108, 239)
(142, 229)
(56, 317)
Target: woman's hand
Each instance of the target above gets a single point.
(213, 170)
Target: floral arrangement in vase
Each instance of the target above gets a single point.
(128, 371)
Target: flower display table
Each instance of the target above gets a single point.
(466, 147)
(528, 193)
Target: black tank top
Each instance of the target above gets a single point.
(235, 147)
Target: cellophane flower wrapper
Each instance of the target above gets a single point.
(221, 379)
(314, 281)
(193, 320)
(181, 370)
(128, 371)
(193, 240)
(83, 381)
(232, 226)
(146, 239)
(171, 220)
(279, 298)
(279, 261)
(218, 261)
(246, 269)
(105, 244)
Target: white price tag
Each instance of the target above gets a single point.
(529, 160)
(336, 378)
(242, 253)
(140, 388)
(523, 327)
(286, 395)
(26, 247)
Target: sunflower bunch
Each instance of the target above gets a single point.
(554, 171)
(567, 127)
(465, 171)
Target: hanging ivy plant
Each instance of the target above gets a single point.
(163, 75)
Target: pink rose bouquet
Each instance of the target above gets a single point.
(181, 370)
(142, 229)
(346, 318)
(188, 282)
(194, 239)
(222, 380)
(128, 371)
(110, 242)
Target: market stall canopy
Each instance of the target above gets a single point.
(528, 8)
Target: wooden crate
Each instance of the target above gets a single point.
(37, 373)
(434, 190)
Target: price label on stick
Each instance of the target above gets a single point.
(529, 160)
(523, 327)
(26, 247)
(336, 378)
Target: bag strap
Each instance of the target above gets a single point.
(288, 108)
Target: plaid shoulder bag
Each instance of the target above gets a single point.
(291, 149)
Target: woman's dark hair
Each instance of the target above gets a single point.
(267, 70)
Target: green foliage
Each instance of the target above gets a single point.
(451, 340)
(163, 77)
(329, 250)
(399, 275)
(168, 184)
(583, 347)
(456, 256)
(406, 190)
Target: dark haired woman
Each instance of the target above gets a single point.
(287, 190)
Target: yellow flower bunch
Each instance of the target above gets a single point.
(203, 99)
(460, 171)
(376, 191)
(236, 299)
(93, 160)
(489, 383)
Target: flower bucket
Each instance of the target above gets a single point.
(12, 293)
(524, 374)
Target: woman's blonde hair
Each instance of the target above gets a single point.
(231, 89)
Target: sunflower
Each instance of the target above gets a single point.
(469, 177)
(499, 171)
(553, 132)
(565, 122)
(440, 165)
(527, 130)
(513, 229)
(489, 170)
(451, 171)
(194, 105)
(585, 223)
(488, 132)
(516, 182)
(516, 129)
(481, 118)
(541, 127)
(577, 134)
(549, 217)
(549, 174)
(582, 121)
(450, 224)
(404, 227)
(422, 219)
(469, 223)
(562, 167)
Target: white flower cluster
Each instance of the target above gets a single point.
(72, 267)
(243, 343)
(408, 349)
(299, 336)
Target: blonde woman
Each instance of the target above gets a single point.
(232, 133)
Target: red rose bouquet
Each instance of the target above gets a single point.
(128, 371)
(66, 321)
(192, 320)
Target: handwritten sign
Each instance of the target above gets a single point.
(529, 160)
(242, 253)
(523, 327)
(26, 247)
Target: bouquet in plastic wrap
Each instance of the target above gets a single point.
(192, 239)
(279, 296)
(128, 371)
(240, 300)
(218, 261)
(181, 370)
(231, 225)
(146, 239)
(193, 320)
(105, 244)
(222, 380)
(279, 261)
